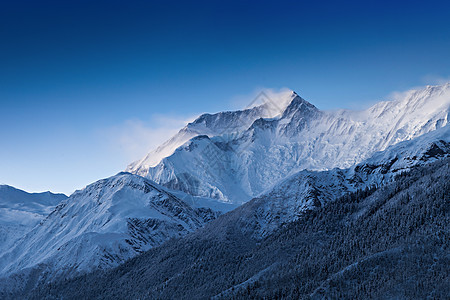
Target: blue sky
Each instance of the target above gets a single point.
(88, 86)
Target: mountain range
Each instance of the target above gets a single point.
(241, 175)
(243, 154)
(390, 242)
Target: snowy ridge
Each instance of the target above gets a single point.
(239, 166)
(103, 225)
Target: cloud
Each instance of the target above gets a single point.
(431, 79)
(134, 138)
(278, 98)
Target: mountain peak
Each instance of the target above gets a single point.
(298, 104)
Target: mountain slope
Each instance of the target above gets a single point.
(238, 166)
(101, 226)
(21, 211)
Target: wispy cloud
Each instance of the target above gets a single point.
(134, 138)
(427, 81)
(432, 79)
(400, 94)
(280, 97)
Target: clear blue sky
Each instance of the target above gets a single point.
(87, 86)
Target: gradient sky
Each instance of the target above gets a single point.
(88, 86)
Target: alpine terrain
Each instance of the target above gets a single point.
(279, 200)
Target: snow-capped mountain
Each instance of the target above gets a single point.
(223, 123)
(105, 224)
(236, 156)
(288, 158)
(21, 211)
